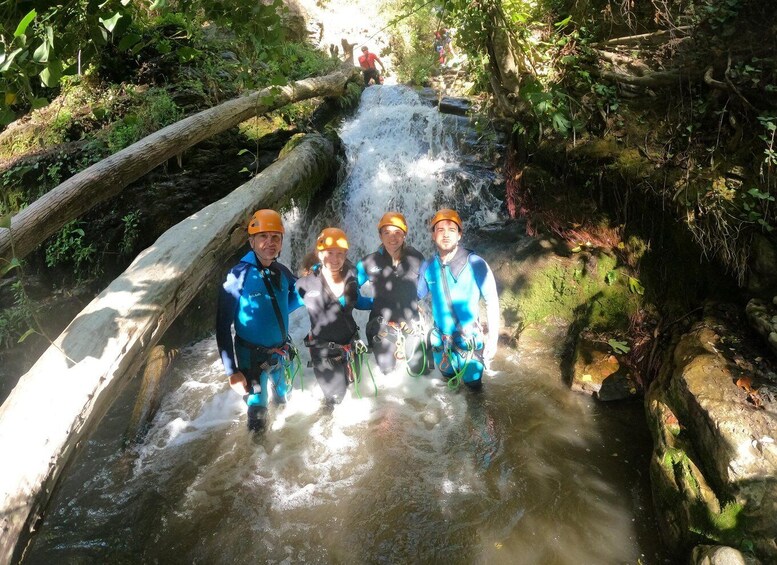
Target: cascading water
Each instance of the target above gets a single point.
(526, 472)
(402, 155)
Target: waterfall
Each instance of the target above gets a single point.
(402, 155)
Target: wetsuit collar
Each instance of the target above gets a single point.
(457, 262)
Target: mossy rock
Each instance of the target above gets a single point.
(591, 289)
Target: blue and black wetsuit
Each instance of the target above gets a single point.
(261, 347)
(394, 319)
(333, 330)
(457, 338)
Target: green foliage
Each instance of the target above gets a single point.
(71, 38)
(130, 224)
(70, 248)
(155, 110)
(17, 320)
(619, 347)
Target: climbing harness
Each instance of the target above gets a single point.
(357, 362)
(455, 353)
(421, 334)
(352, 355)
(285, 355)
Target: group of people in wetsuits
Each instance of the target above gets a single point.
(259, 293)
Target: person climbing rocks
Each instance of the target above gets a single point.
(330, 294)
(443, 45)
(256, 299)
(367, 62)
(394, 330)
(457, 279)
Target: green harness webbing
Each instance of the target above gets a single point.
(288, 373)
(423, 365)
(454, 382)
(356, 368)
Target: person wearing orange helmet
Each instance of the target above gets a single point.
(394, 327)
(456, 279)
(330, 294)
(256, 299)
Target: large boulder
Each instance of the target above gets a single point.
(714, 464)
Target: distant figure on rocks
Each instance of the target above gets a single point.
(256, 299)
(457, 279)
(443, 45)
(367, 63)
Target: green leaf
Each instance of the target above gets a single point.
(6, 116)
(41, 54)
(242, 152)
(110, 23)
(51, 74)
(159, 5)
(186, 54)
(27, 334)
(7, 59)
(611, 277)
(619, 346)
(5, 221)
(12, 264)
(635, 286)
(563, 22)
(26, 20)
(129, 41)
(39, 103)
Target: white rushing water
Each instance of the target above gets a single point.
(526, 472)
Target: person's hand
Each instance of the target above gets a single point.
(238, 383)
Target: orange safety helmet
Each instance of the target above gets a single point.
(393, 219)
(331, 238)
(446, 214)
(265, 220)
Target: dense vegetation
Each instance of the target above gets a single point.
(618, 109)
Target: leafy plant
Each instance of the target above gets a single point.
(69, 247)
(130, 223)
(619, 347)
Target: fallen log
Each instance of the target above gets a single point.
(680, 32)
(73, 383)
(80, 193)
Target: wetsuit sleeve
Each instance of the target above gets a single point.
(486, 282)
(423, 288)
(294, 298)
(361, 274)
(362, 302)
(225, 318)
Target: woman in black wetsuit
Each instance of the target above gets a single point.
(330, 294)
(394, 330)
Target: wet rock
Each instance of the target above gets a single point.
(715, 456)
(456, 106)
(598, 373)
(763, 319)
(763, 265)
(720, 555)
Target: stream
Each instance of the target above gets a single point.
(404, 470)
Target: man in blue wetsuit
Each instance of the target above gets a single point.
(457, 279)
(394, 329)
(256, 299)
